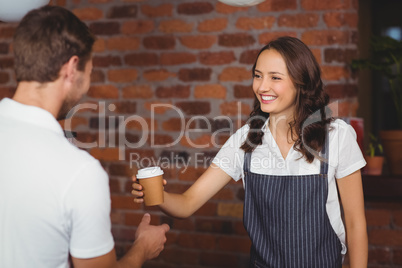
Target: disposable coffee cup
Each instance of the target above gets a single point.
(151, 180)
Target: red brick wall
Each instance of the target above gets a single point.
(384, 220)
(194, 57)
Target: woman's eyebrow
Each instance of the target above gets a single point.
(273, 72)
(276, 73)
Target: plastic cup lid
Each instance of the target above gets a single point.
(149, 172)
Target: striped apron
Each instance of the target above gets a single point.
(286, 219)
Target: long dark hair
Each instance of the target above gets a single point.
(311, 118)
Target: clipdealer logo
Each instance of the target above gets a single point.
(116, 137)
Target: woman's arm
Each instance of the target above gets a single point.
(184, 205)
(351, 193)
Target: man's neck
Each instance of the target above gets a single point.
(43, 95)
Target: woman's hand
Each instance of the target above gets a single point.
(137, 190)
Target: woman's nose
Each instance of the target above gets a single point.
(264, 86)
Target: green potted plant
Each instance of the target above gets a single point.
(386, 58)
(374, 157)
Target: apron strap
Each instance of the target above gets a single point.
(325, 155)
(247, 162)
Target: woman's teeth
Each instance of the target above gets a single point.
(268, 98)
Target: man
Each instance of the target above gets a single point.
(54, 197)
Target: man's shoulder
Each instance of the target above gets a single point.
(78, 162)
(75, 154)
(61, 153)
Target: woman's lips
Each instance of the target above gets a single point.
(267, 98)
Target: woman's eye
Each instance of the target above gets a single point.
(276, 78)
(257, 76)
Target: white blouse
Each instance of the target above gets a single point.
(345, 157)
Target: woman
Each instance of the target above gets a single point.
(293, 157)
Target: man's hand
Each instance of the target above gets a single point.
(149, 242)
(150, 239)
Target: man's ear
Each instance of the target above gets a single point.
(69, 69)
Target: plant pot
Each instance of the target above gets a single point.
(392, 143)
(374, 165)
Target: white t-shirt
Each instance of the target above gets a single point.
(345, 158)
(54, 197)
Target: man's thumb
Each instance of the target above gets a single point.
(146, 218)
(165, 227)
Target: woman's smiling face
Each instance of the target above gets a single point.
(273, 86)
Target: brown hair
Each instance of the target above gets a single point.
(45, 40)
(310, 118)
